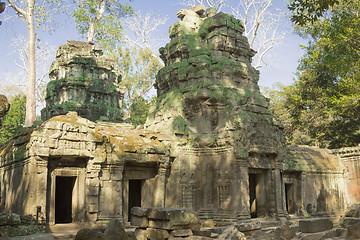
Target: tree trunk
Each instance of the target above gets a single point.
(30, 116)
(98, 17)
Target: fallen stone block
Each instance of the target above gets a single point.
(202, 232)
(348, 221)
(172, 219)
(248, 226)
(140, 234)
(115, 231)
(354, 231)
(142, 222)
(89, 234)
(156, 234)
(353, 211)
(231, 233)
(181, 233)
(314, 225)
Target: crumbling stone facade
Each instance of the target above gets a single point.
(70, 169)
(228, 147)
(210, 143)
(83, 80)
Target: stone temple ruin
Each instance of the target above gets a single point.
(210, 144)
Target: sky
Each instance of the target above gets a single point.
(282, 63)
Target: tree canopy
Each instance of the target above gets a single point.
(14, 119)
(322, 107)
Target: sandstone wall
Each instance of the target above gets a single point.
(351, 161)
(100, 159)
(221, 129)
(319, 180)
(83, 80)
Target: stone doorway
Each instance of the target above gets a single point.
(135, 188)
(252, 192)
(289, 197)
(63, 199)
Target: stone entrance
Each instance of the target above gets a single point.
(63, 199)
(135, 187)
(290, 198)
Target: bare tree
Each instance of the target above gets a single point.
(27, 13)
(139, 59)
(142, 32)
(44, 56)
(261, 26)
(217, 4)
(260, 19)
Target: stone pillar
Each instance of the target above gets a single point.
(116, 172)
(41, 190)
(244, 195)
(160, 191)
(278, 192)
(92, 192)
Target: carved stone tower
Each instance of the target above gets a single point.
(228, 147)
(83, 80)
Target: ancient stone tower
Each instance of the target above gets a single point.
(83, 80)
(227, 145)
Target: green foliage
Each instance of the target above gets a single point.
(14, 120)
(139, 68)
(305, 11)
(322, 107)
(139, 111)
(108, 28)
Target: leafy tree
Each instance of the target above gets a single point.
(14, 119)
(305, 11)
(100, 20)
(139, 67)
(139, 111)
(324, 102)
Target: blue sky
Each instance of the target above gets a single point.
(284, 56)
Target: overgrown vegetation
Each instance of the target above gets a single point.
(322, 107)
(14, 119)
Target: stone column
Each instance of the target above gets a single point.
(116, 173)
(92, 192)
(279, 191)
(244, 195)
(41, 189)
(160, 191)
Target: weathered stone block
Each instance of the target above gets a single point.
(172, 218)
(248, 226)
(140, 234)
(315, 225)
(348, 221)
(181, 233)
(115, 231)
(354, 231)
(156, 234)
(232, 233)
(202, 232)
(353, 211)
(142, 222)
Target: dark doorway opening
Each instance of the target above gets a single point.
(63, 199)
(252, 192)
(289, 197)
(135, 187)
